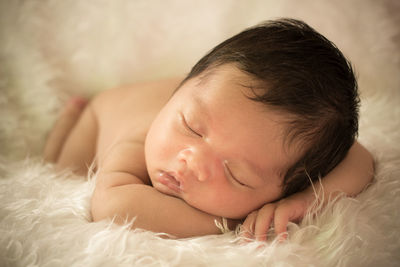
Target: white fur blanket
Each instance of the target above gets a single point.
(51, 50)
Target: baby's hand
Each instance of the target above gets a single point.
(257, 223)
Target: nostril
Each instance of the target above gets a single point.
(185, 153)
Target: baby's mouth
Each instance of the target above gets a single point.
(170, 181)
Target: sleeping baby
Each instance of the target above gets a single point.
(244, 138)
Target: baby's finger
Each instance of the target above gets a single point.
(281, 221)
(247, 228)
(263, 221)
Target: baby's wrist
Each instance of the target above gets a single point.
(307, 196)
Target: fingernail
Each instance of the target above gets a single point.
(261, 238)
(282, 237)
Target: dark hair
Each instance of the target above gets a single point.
(304, 75)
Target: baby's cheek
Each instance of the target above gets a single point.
(225, 198)
(157, 144)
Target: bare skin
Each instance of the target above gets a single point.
(97, 136)
(111, 131)
(64, 125)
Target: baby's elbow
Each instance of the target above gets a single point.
(366, 161)
(370, 165)
(99, 208)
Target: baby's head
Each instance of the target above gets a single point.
(256, 118)
(299, 72)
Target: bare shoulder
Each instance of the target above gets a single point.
(124, 114)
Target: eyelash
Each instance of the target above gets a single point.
(232, 176)
(186, 125)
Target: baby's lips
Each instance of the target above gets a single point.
(169, 180)
(178, 178)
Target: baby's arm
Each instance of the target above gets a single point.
(122, 191)
(351, 176)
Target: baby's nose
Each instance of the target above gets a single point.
(197, 163)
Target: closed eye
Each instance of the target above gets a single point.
(230, 174)
(186, 125)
